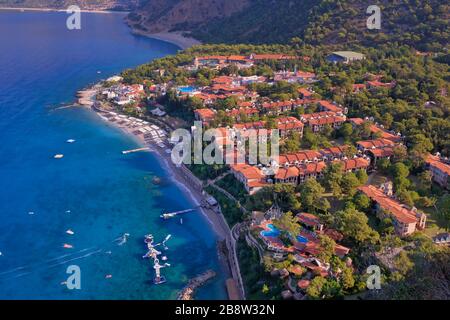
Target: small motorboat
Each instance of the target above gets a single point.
(108, 276)
(31, 213)
(70, 140)
(58, 156)
(164, 258)
(123, 239)
(156, 180)
(67, 211)
(70, 232)
(67, 246)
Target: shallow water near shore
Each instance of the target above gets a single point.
(94, 190)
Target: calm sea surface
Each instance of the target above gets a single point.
(94, 190)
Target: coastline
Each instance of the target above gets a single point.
(58, 10)
(86, 98)
(180, 175)
(177, 38)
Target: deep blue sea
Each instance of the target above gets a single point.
(94, 190)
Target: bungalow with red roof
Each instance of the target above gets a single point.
(306, 156)
(358, 87)
(237, 113)
(440, 170)
(299, 173)
(318, 124)
(365, 145)
(305, 93)
(300, 157)
(204, 115)
(328, 106)
(352, 165)
(375, 129)
(250, 176)
(310, 220)
(406, 220)
(287, 125)
(276, 107)
(378, 148)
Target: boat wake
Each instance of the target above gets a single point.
(57, 261)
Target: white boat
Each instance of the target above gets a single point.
(67, 246)
(70, 140)
(58, 156)
(70, 232)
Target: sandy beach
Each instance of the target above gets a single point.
(59, 10)
(187, 182)
(175, 38)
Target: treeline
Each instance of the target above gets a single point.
(421, 24)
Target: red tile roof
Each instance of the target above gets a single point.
(312, 168)
(382, 152)
(308, 219)
(398, 210)
(223, 80)
(205, 114)
(377, 143)
(286, 173)
(357, 121)
(436, 162)
(288, 123)
(305, 92)
(326, 120)
(357, 163)
(245, 104)
(239, 111)
(329, 106)
(303, 284)
(248, 171)
(301, 156)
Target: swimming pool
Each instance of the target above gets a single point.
(187, 89)
(302, 239)
(273, 232)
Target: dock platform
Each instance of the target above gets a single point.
(135, 150)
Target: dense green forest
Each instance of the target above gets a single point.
(418, 105)
(421, 24)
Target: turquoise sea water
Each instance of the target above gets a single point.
(42, 65)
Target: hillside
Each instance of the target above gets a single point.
(423, 24)
(169, 15)
(62, 4)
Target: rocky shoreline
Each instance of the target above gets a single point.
(188, 292)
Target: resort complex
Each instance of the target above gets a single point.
(339, 185)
